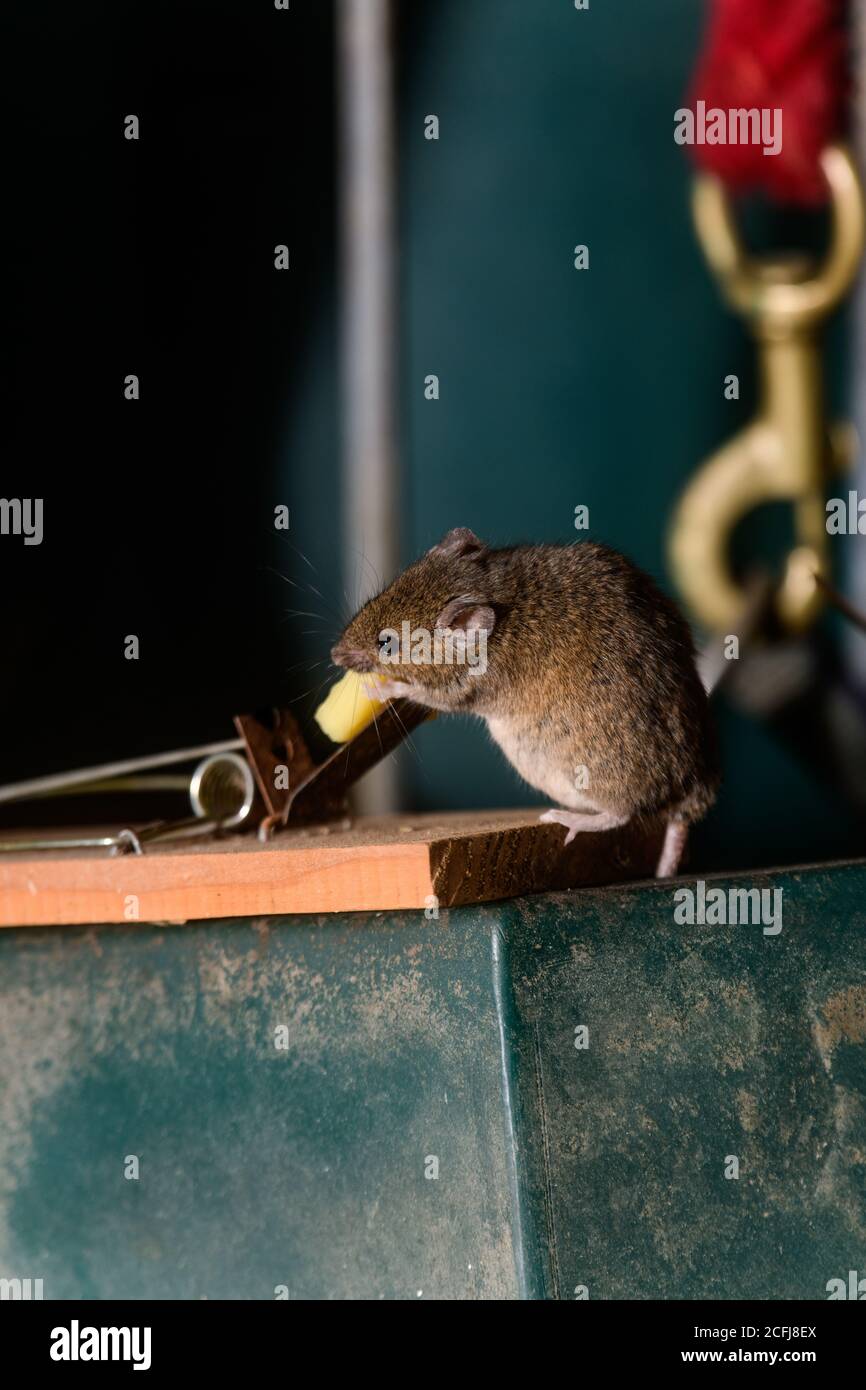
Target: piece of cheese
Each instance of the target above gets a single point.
(347, 708)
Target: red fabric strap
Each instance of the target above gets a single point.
(775, 54)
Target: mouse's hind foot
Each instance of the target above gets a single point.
(576, 821)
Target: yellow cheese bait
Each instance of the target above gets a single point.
(347, 708)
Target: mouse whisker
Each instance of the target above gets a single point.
(349, 744)
(339, 614)
(362, 554)
(312, 691)
(378, 735)
(308, 670)
(407, 737)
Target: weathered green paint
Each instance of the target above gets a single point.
(411, 1038)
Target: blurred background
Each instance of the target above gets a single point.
(556, 388)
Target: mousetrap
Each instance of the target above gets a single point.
(270, 832)
(268, 776)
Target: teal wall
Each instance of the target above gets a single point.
(558, 387)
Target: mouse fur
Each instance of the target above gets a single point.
(590, 688)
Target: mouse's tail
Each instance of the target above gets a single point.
(673, 848)
(692, 807)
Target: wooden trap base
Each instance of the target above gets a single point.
(396, 862)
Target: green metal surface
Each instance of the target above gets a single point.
(410, 1040)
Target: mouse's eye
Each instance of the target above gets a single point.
(388, 645)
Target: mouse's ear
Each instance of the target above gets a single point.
(467, 613)
(460, 541)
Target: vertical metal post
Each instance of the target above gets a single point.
(856, 579)
(368, 304)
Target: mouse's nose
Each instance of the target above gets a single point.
(351, 657)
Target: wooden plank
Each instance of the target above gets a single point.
(376, 865)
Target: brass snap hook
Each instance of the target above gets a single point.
(788, 451)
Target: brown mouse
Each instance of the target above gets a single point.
(583, 669)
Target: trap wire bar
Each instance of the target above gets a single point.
(278, 774)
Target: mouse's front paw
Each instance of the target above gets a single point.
(389, 690)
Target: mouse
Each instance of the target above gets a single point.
(581, 667)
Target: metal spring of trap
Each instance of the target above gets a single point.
(221, 792)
